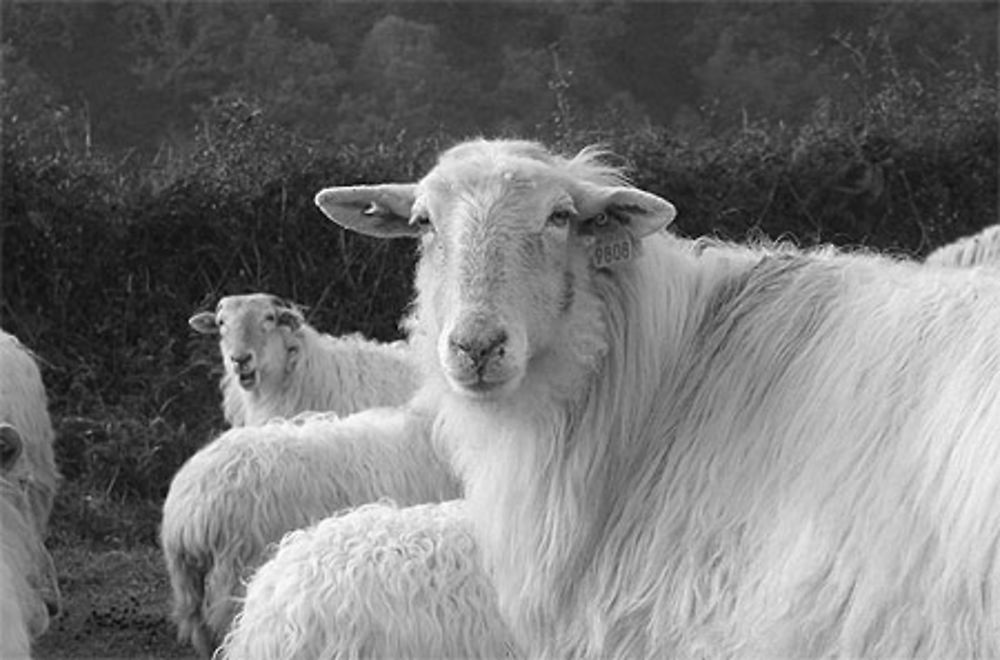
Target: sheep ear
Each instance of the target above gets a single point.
(204, 322)
(290, 317)
(11, 446)
(641, 212)
(383, 210)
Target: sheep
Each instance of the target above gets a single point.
(29, 592)
(981, 249)
(24, 405)
(277, 365)
(375, 582)
(243, 491)
(674, 453)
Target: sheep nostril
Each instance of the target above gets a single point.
(480, 349)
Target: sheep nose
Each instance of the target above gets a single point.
(241, 361)
(479, 348)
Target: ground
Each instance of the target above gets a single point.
(115, 590)
(116, 605)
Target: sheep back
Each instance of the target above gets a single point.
(981, 249)
(247, 488)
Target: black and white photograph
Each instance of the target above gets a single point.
(478, 329)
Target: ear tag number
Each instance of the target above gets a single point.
(613, 244)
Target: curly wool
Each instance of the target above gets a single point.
(242, 492)
(375, 582)
(24, 405)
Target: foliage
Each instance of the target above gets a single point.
(106, 252)
(359, 72)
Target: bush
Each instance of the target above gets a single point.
(103, 263)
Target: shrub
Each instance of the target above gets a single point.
(103, 262)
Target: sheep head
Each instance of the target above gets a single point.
(512, 238)
(258, 337)
(23, 547)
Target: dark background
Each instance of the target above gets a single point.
(159, 155)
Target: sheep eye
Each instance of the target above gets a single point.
(270, 317)
(421, 220)
(560, 217)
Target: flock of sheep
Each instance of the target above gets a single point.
(599, 440)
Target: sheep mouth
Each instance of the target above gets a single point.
(248, 379)
(479, 387)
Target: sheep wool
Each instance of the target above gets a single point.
(672, 453)
(28, 586)
(246, 489)
(277, 365)
(24, 405)
(981, 249)
(375, 582)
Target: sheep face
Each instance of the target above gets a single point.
(22, 550)
(509, 237)
(256, 337)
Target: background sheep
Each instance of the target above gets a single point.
(24, 405)
(277, 365)
(982, 249)
(375, 582)
(668, 454)
(28, 589)
(243, 491)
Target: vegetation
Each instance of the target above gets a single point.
(125, 212)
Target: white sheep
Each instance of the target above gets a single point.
(243, 491)
(375, 582)
(29, 593)
(277, 365)
(24, 405)
(672, 454)
(980, 249)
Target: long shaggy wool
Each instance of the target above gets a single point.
(981, 249)
(24, 405)
(295, 368)
(783, 456)
(243, 491)
(375, 582)
(28, 587)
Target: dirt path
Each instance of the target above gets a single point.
(116, 606)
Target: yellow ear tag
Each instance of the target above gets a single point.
(613, 244)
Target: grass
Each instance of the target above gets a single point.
(116, 597)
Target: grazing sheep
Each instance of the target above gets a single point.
(375, 582)
(29, 593)
(673, 454)
(24, 405)
(981, 249)
(243, 491)
(277, 365)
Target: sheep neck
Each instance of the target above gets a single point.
(543, 471)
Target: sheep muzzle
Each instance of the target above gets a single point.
(479, 357)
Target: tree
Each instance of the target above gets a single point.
(407, 79)
(297, 81)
